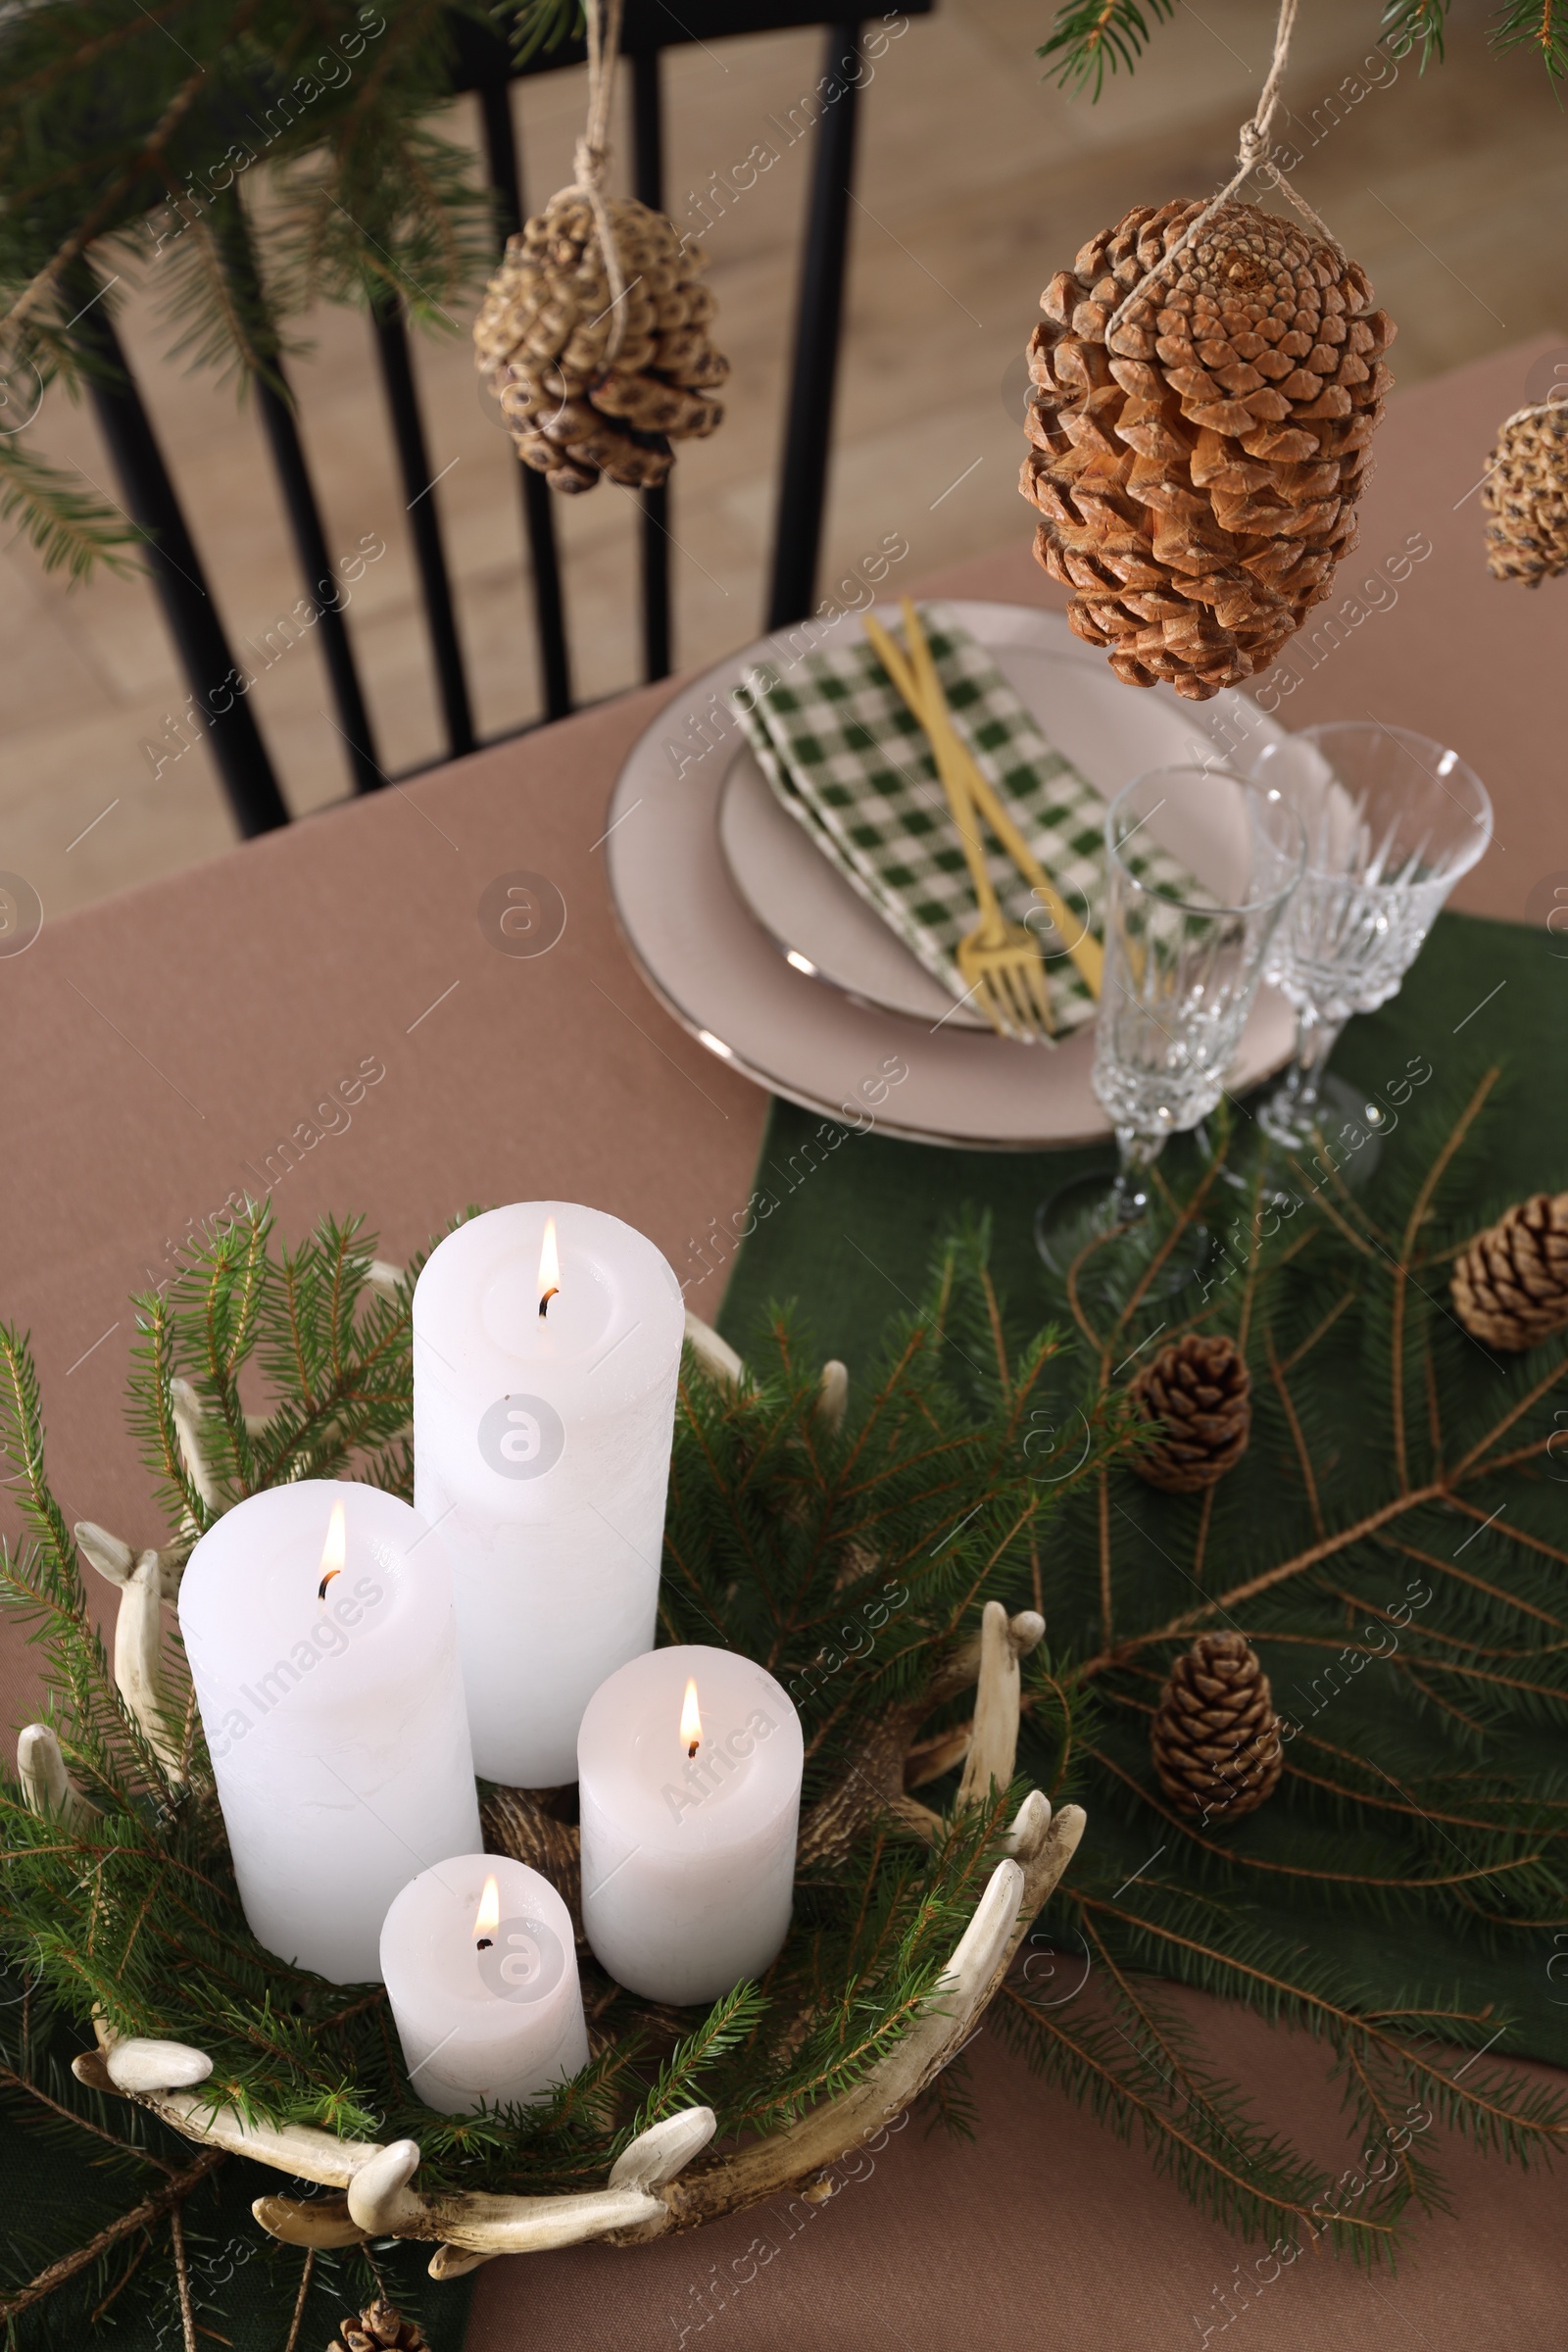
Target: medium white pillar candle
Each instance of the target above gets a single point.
(541, 1450)
(480, 1970)
(319, 1623)
(689, 1766)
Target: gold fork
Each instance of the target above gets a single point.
(1084, 949)
(998, 961)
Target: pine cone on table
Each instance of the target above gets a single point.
(542, 342)
(1197, 479)
(378, 2329)
(1526, 497)
(1510, 1287)
(1201, 1388)
(1215, 1735)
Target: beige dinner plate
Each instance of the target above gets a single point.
(762, 951)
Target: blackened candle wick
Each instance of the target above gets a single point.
(553, 1292)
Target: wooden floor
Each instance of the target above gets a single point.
(976, 181)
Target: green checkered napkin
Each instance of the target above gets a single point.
(853, 765)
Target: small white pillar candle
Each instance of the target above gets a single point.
(319, 1623)
(481, 1972)
(541, 1450)
(689, 1765)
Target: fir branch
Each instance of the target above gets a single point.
(151, 2209)
(71, 528)
(1405, 23)
(1094, 35)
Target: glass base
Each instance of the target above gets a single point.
(1339, 1130)
(1097, 1207)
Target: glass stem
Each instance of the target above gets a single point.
(1130, 1194)
(1315, 1040)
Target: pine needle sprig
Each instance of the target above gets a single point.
(1092, 37)
(1408, 23)
(1538, 25)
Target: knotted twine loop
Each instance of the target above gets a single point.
(591, 159)
(1252, 155)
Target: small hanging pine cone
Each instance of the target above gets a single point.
(378, 2329)
(1510, 1287)
(1216, 1736)
(1526, 497)
(542, 338)
(1197, 479)
(1201, 1388)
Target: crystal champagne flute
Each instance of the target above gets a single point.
(1200, 864)
(1392, 823)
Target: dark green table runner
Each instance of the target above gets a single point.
(856, 1218)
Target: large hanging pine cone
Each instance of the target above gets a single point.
(543, 342)
(1197, 479)
(1526, 497)
(378, 2329)
(1510, 1287)
(1200, 1387)
(1216, 1736)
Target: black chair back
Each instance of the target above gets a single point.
(484, 67)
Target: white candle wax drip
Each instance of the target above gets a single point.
(689, 1765)
(319, 1623)
(482, 1973)
(541, 1446)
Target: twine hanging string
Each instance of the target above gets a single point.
(1252, 155)
(591, 161)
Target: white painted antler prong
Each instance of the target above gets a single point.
(137, 2065)
(108, 1555)
(994, 1746)
(383, 1276)
(832, 1394)
(716, 1356)
(189, 1413)
(115, 1560)
(378, 2198)
(455, 2262)
(46, 1785)
(145, 1581)
(321, 2222)
(664, 2149)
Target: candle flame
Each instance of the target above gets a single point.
(488, 1915)
(549, 1266)
(333, 1550)
(691, 1721)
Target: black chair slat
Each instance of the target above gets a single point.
(190, 613)
(315, 564)
(807, 435)
(322, 580)
(538, 512)
(414, 464)
(648, 185)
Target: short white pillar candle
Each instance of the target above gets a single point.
(482, 1973)
(689, 1765)
(547, 1346)
(319, 1623)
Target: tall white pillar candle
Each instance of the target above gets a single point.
(482, 1973)
(319, 1623)
(546, 1354)
(689, 1767)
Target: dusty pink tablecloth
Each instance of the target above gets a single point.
(160, 1049)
